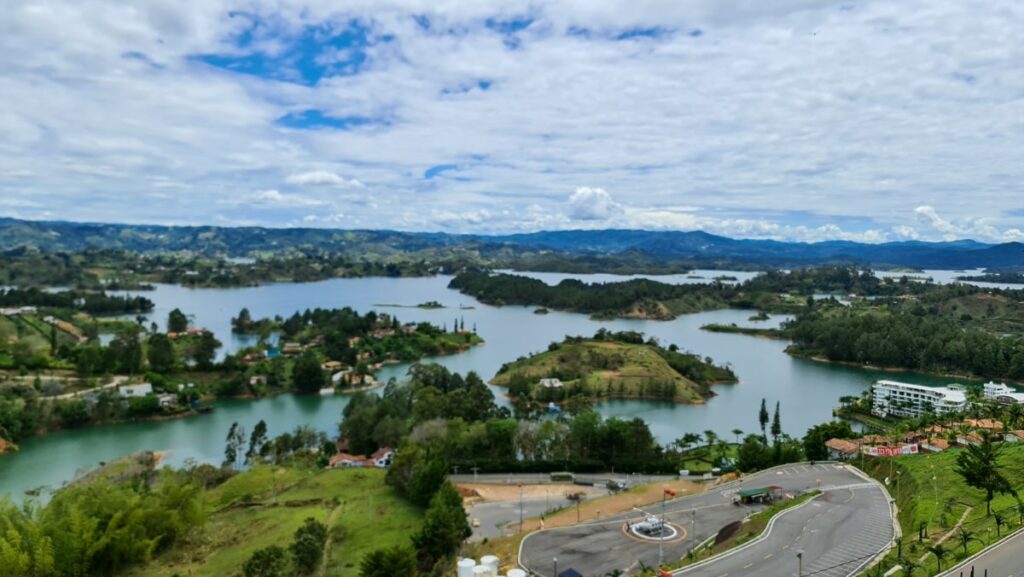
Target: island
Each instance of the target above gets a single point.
(1004, 277)
(611, 365)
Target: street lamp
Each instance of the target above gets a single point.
(555, 561)
(800, 563)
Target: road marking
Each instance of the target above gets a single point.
(749, 565)
(768, 556)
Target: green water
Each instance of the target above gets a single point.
(806, 390)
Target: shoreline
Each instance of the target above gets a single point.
(895, 370)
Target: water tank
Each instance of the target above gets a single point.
(481, 571)
(491, 562)
(466, 567)
(516, 573)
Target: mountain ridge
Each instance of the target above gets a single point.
(695, 247)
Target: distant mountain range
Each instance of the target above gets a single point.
(696, 248)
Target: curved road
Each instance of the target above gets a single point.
(1006, 559)
(839, 531)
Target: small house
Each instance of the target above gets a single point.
(382, 458)
(934, 445)
(257, 380)
(291, 348)
(331, 365)
(969, 439)
(1014, 436)
(167, 400)
(139, 390)
(346, 461)
(842, 449)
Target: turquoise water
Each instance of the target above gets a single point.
(806, 390)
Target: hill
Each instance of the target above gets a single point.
(361, 513)
(577, 250)
(613, 365)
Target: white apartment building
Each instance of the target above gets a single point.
(892, 398)
(1001, 393)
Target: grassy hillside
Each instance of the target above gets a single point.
(361, 512)
(599, 368)
(932, 495)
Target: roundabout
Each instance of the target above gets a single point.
(654, 530)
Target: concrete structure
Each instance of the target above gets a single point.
(167, 400)
(139, 390)
(551, 383)
(1002, 393)
(892, 398)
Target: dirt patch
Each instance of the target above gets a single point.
(491, 492)
(600, 507)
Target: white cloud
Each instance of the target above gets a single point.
(321, 178)
(276, 197)
(777, 120)
(592, 204)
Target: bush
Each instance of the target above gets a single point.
(267, 562)
(308, 546)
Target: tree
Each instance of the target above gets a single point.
(257, 442)
(308, 546)
(737, 433)
(307, 376)
(444, 527)
(940, 553)
(980, 468)
(709, 439)
(127, 350)
(270, 561)
(814, 440)
(398, 560)
(205, 350)
(776, 424)
(177, 322)
(160, 353)
(762, 418)
(1000, 521)
(233, 444)
(965, 537)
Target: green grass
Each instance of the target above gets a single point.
(367, 515)
(606, 369)
(928, 491)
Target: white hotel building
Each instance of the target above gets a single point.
(907, 400)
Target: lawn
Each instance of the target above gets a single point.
(362, 512)
(930, 494)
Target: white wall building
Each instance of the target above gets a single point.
(139, 390)
(892, 398)
(1000, 392)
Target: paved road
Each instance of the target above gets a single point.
(1004, 560)
(544, 478)
(838, 533)
(599, 547)
(499, 518)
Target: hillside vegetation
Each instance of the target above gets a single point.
(361, 512)
(617, 365)
(935, 504)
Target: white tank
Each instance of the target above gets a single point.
(491, 562)
(466, 567)
(516, 573)
(481, 571)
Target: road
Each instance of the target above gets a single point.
(499, 518)
(1006, 559)
(849, 521)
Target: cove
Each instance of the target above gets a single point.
(806, 390)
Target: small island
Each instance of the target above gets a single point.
(1005, 277)
(611, 365)
(541, 311)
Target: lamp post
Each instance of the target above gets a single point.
(800, 563)
(555, 561)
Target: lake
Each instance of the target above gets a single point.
(807, 391)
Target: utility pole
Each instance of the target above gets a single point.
(800, 563)
(661, 536)
(520, 507)
(475, 471)
(555, 560)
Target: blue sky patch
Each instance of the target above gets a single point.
(439, 169)
(311, 119)
(320, 51)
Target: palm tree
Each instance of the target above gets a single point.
(1000, 521)
(737, 432)
(908, 566)
(940, 553)
(1020, 510)
(709, 438)
(965, 538)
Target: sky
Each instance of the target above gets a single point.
(791, 119)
